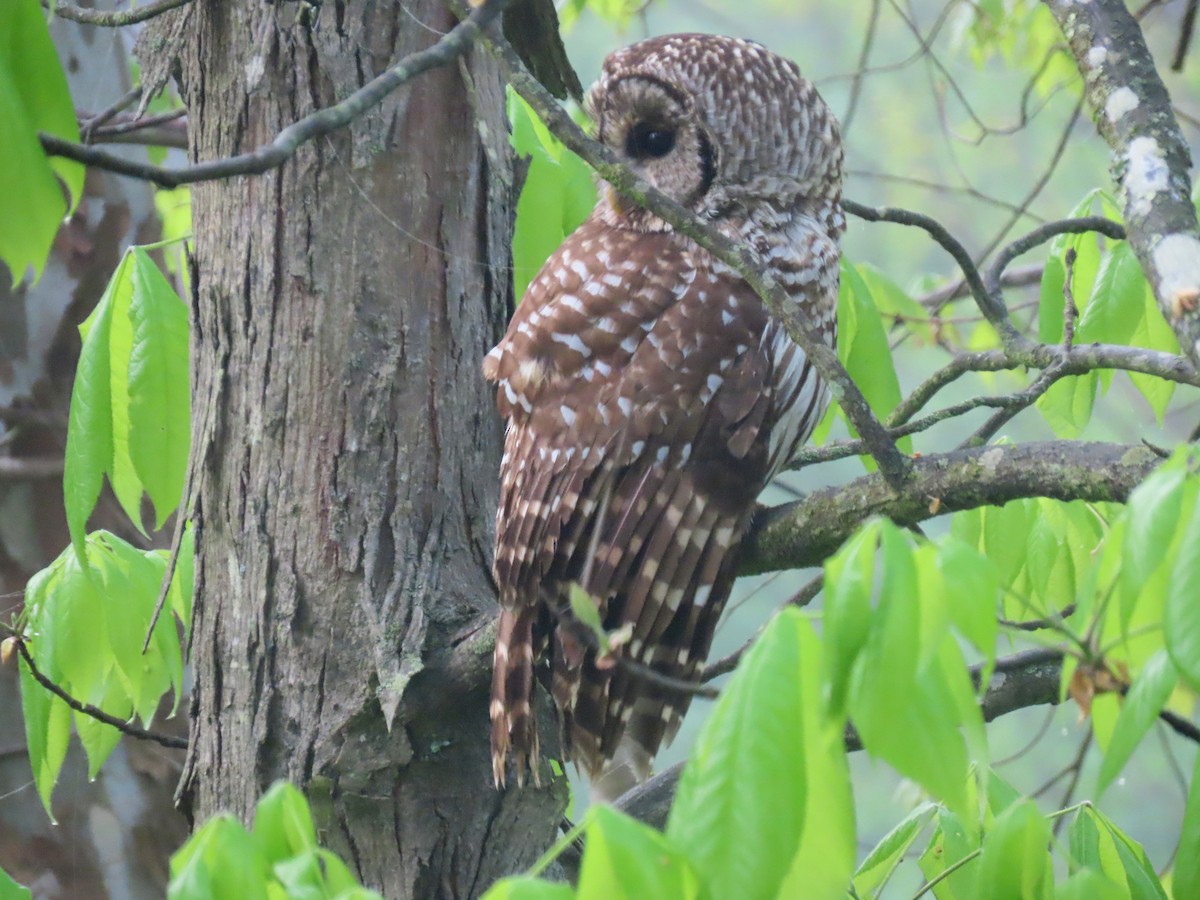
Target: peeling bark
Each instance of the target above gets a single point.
(1150, 158)
(344, 450)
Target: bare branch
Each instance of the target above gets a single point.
(94, 712)
(289, 140)
(1150, 157)
(112, 18)
(1024, 679)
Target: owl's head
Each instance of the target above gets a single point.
(718, 124)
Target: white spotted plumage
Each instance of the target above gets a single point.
(662, 368)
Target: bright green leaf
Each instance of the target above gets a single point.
(1139, 710)
(874, 871)
(89, 427)
(739, 813)
(1117, 303)
(283, 823)
(10, 890)
(1186, 880)
(33, 97)
(1016, 863)
(159, 396)
(1052, 301)
(1067, 405)
(624, 858)
(522, 887)
(1154, 333)
(1181, 616)
(863, 346)
(1089, 884)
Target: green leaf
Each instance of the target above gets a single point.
(182, 580)
(583, 607)
(10, 890)
(1186, 876)
(863, 346)
(874, 871)
(1088, 884)
(522, 887)
(89, 426)
(159, 396)
(47, 727)
(33, 97)
(624, 858)
(121, 473)
(76, 619)
(824, 861)
(743, 799)
(1154, 333)
(1181, 616)
(971, 579)
(1139, 710)
(951, 847)
(1016, 864)
(1116, 856)
(100, 739)
(1091, 847)
(220, 860)
(849, 582)
(893, 301)
(283, 823)
(1067, 405)
(557, 194)
(1052, 300)
(1117, 303)
(911, 717)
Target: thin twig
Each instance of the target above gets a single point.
(1181, 726)
(1041, 235)
(290, 139)
(1070, 309)
(166, 740)
(860, 70)
(138, 124)
(121, 103)
(996, 314)
(1186, 27)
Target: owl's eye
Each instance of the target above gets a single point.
(646, 140)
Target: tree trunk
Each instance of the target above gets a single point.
(344, 445)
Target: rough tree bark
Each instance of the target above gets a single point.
(344, 452)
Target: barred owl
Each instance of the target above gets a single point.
(649, 396)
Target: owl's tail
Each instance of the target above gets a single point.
(513, 723)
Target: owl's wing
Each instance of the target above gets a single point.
(641, 401)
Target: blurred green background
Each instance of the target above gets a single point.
(969, 113)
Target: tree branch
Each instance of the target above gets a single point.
(1150, 159)
(113, 18)
(94, 712)
(806, 532)
(289, 140)
(1027, 678)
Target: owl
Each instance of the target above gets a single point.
(649, 396)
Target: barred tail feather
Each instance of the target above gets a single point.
(513, 724)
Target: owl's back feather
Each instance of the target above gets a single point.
(649, 399)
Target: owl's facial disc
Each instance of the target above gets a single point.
(653, 126)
